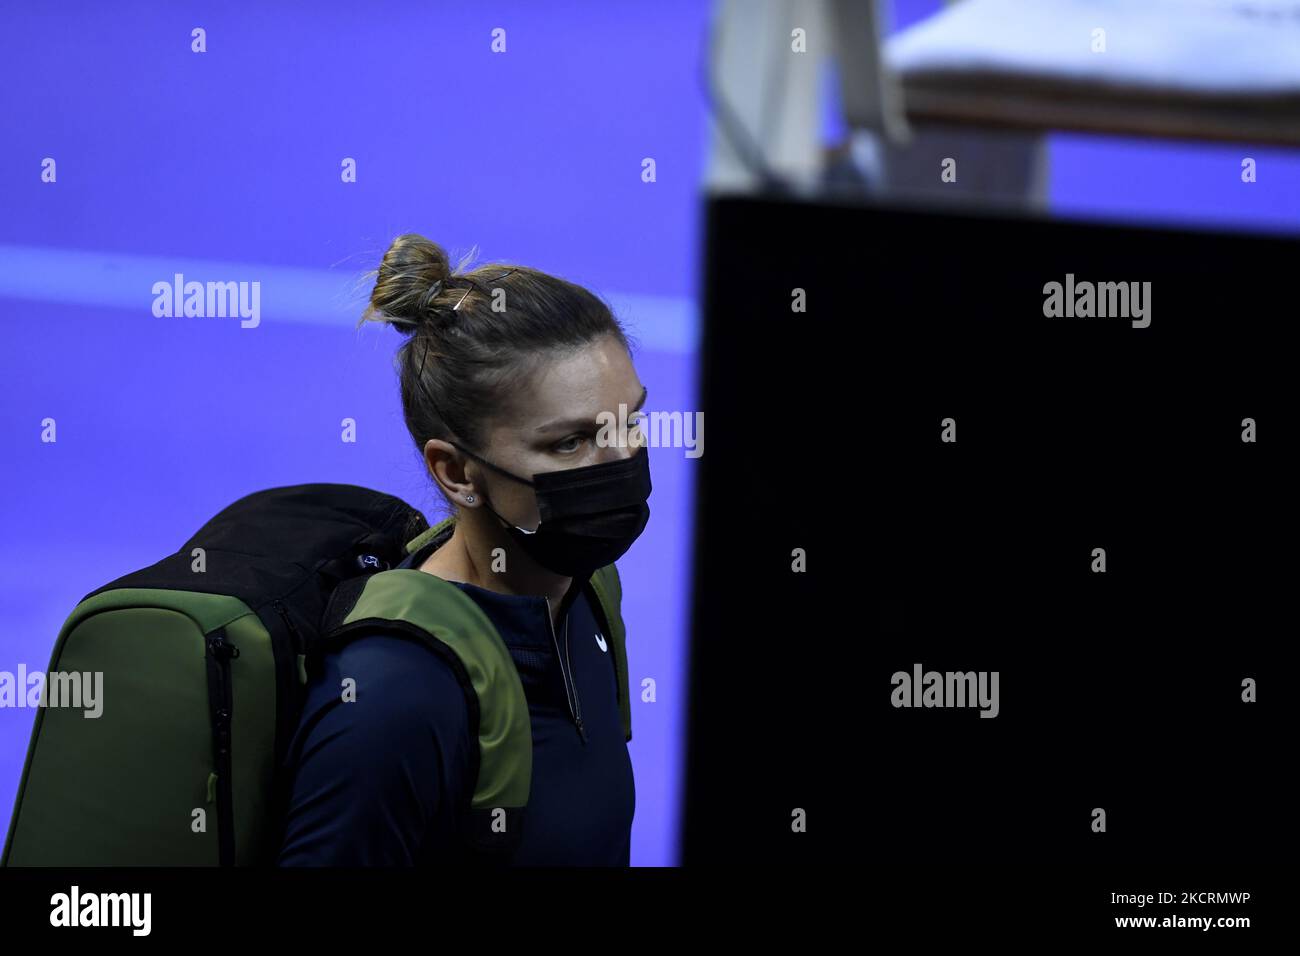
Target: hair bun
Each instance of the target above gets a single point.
(411, 278)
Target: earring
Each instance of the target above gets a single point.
(469, 499)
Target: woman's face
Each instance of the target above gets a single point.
(555, 423)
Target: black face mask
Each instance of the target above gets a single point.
(589, 516)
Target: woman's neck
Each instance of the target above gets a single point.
(454, 560)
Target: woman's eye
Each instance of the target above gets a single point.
(564, 445)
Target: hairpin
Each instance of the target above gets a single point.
(432, 293)
(467, 291)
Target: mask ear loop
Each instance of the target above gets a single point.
(419, 380)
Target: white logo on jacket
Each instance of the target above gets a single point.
(601, 641)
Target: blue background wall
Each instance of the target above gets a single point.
(226, 166)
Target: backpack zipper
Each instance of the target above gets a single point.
(222, 652)
(575, 707)
(288, 623)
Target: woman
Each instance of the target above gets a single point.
(506, 381)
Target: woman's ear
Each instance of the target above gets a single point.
(448, 468)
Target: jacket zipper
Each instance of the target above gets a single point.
(575, 707)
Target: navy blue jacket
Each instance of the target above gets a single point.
(375, 781)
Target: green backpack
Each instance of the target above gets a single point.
(205, 657)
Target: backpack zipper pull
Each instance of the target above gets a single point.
(221, 649)
(290, 626)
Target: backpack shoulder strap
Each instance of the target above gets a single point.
(605, 584)
(609, 594)
(447, 620)
(443, 527)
